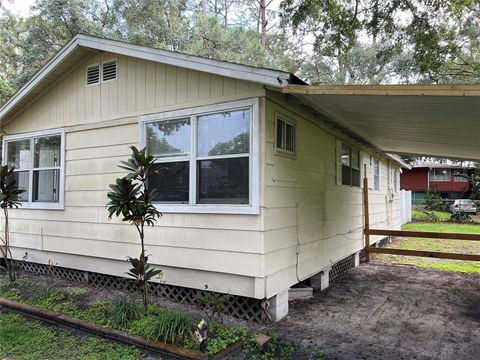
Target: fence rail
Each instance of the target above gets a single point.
(420, 234)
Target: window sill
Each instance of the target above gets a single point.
(208, 209)
(42, 206)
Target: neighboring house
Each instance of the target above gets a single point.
(258, 192)
(451, 181)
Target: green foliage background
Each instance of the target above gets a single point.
(337, 41)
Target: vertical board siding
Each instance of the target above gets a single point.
(230, 245)
(304, 208)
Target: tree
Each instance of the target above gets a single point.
(131, 199)
(414, 40)
(9, 192)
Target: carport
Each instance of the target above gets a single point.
(429, 120)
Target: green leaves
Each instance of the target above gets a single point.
(130, 196)
(141, 269)
(9, 190)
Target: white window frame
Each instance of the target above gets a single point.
(375, 160)
(339, 145)
(279, 150)
(30, 136)
(254, 174)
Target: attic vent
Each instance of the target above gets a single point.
(93, 74)
(109, 70)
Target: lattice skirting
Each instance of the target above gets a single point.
(341, 268)
(238, 306)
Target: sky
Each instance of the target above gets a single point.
(22, 7)
(19, 7)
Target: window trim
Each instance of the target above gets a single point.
(376, 160)
(254, 158)
(286, 120)
(339, 144)
(60, 205)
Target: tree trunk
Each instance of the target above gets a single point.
(263, 21)
(203, 6)
(6, 252)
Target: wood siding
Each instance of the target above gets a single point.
(305, 211)
(101, 122)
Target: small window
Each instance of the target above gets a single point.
(109, 70)
(285, 136)
(350, 159)
(440, 175)
(376, 174)
(93, 75)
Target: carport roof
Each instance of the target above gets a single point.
(435, 120)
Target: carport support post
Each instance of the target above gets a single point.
(366, 214)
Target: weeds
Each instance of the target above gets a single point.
(122, 312)
(171, 327)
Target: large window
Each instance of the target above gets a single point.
(38, 162)
(440, 175)
(204, 158)
(350, 159)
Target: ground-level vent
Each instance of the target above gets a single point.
(341, 268)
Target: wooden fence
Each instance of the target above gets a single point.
(420, 234)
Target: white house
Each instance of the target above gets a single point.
(259, 191)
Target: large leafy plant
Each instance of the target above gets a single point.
(9, 192)
(131, 199)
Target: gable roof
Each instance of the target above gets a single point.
(82, 45)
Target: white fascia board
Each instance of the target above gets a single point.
(40, 75)
(237, 71)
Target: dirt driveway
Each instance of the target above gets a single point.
(391, 312)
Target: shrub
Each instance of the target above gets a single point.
(132, 200)
(172, 327)
(461, 218)
(213, 304)
(122, 312)
(433, 201)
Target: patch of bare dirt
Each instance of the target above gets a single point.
(391, 312)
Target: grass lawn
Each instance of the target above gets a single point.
(24, 338)
(441, 245)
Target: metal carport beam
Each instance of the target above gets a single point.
(432, 120)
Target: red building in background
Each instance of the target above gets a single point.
(450, 180)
